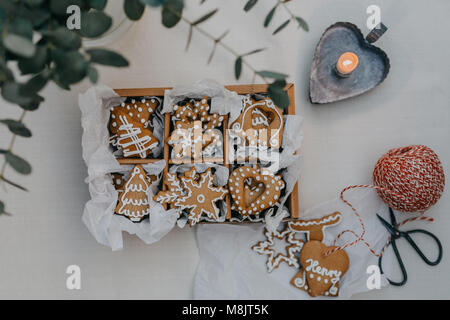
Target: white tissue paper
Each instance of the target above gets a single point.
(236, 272)
(98, 213)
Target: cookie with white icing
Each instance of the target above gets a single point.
(261, 123)
(132, 137)
(139, 111)
(320, 273)
(133, 201)
(198, 111)
(194, 193)
(252, 191)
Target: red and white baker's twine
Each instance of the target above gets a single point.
(408, 179)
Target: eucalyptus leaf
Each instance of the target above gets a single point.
(11, 92)
(63, 38)
(35, 84)
(272, 74)
(277, 93)
(34, 3)
(71, 67)
(14, 184)
(107, 57)
(253, 52)
(34, 104)
(153, 3)
(172, 12)
(2, 207)
(205, 17)
(281, 27)
(21, 27)
(97, 4)
(92, 74)
(133, 9)
(5, 73)
(17, 163)
(249, 5)
(238, 68)
(269, 16)
(17, 127)
(34, 64)
(302, 23)
(94, 23)
(19, 45)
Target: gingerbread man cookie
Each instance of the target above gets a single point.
(193, 192)
(253, 192)
(261, 124)
(320, 273)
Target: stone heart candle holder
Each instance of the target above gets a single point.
(345, 64)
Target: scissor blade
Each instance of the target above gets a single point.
(386, 224)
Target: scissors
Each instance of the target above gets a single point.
(396, 234)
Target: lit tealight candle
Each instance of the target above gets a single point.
(347, 63)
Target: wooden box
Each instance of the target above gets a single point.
(292, 201)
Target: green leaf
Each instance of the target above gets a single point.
(133, 9)
(64, 38)
(277, 94)
(5, 74)
(97, 4)
(17, 127)
(34, 64)
(19, 45)
(172, 12)
(35, 84)
(92, 74)
(107, 57)
(281, 27)
(2, 207)
(153, 3)
(238, 68)
(71, 67)
(34, 3)
(11, 92)
(272, 75)
(94, 23)
(253, 52)
(205, 17)
(302, 23)
(17, 163)
(34, 104)
(249, 5)
(269, 16)
(21, 27)
(14, 184)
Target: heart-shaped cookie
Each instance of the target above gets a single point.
(253, 192)
(321, 273)
(260, 123)
(326, 85)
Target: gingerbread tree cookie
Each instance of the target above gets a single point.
(133, 203)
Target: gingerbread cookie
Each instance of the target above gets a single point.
(188, 141)
(261, 124)
(193, 192)
(253, 192)
(293, 246)
(118, 181)
(132, 137)
(320, 273)
(197, 110)
(315, 228)
(133, 202)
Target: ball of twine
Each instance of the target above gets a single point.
(409, 179)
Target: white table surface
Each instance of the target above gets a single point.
(342, 143)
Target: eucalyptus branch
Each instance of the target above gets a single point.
(216, 41)
(9, 151)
